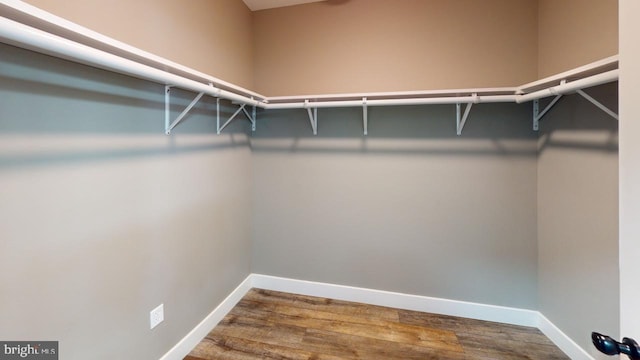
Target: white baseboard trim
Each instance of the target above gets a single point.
(465, 309)
(184, 346)
(398, 300)
(564, 342)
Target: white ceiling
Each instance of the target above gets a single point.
(255, 5)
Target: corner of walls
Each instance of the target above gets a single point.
(577, 180)
(578, 217)
(562, 340)
(191, 340)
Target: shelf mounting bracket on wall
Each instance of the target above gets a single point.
(365, 118)
(537, 114)
(168, 126)
(242, 108)
(461, 121)
(598, 104)
(253, 117)
(62, 41)
(313, 117)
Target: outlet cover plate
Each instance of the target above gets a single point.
(156, 316)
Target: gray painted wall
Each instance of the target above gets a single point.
(578, 216)
(410, 208)
(103, 217)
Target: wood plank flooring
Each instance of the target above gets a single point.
(275, 325)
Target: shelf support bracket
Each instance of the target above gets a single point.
(365, 118)
(313, 117)
(220, 128)
(218, 115)
(243, 108)
(255, 118)
(168, 126)
(167, 110)
(598, 104)
(461, 121)
(537, 114)
(251, 117)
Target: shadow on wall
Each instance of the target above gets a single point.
(54, 111)
(575, 123)
(491, 129)
(44, 96)
(503, 129)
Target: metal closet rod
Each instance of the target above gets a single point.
(471, 98)
(570, 87)
(24, 36)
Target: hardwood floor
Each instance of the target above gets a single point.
(274, 325)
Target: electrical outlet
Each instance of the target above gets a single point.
(156, 316)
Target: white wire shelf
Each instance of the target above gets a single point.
(28, 27)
